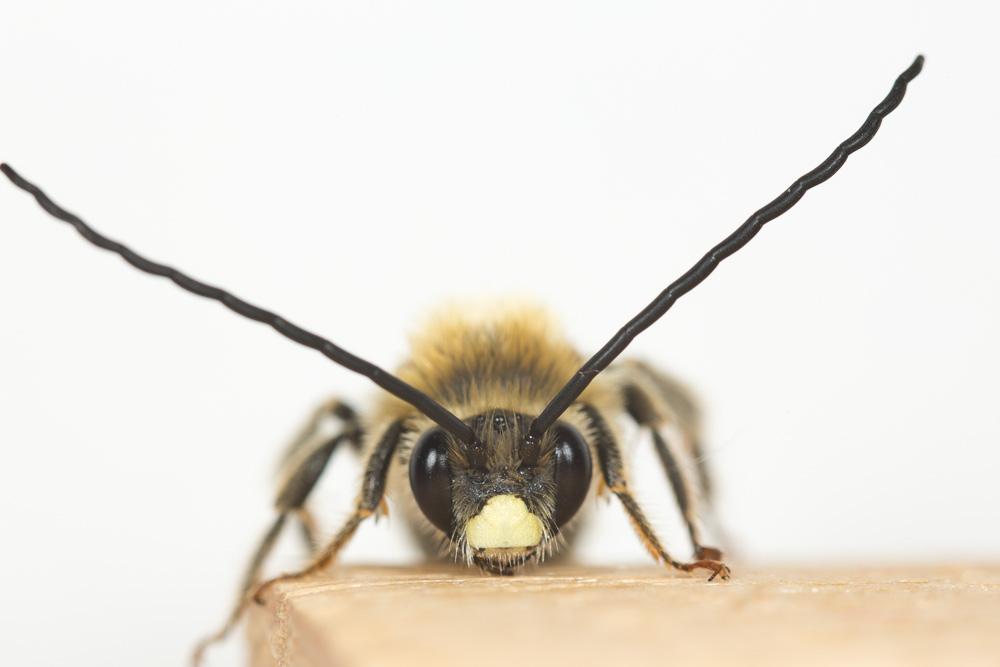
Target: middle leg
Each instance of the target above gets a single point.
(301, 468)
(642, 406)
(371, 497)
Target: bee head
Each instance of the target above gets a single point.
(502, 500)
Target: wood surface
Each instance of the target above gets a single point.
(445, 615)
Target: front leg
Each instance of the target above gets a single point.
(610, 458)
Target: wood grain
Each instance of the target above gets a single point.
(443, 616)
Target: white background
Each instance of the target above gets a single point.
(351, 165)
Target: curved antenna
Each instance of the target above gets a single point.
(697, 273)
(387, 381)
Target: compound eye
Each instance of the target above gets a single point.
(430, 478)
(573, 470)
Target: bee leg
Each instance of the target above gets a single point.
(332, 409)
(372, 491)
(653, 546)
(306, 441)
(249, 577)
(302, 466)
(685, 498)
(610, 458)
(687, 484)
(683, 409)
(309, 529)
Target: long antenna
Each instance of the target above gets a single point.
(697, 273)
(387, 381)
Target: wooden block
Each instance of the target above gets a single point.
(444, 616)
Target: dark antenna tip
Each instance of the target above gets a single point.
(707, 264)
(18, 180)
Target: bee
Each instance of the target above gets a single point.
(496, 430)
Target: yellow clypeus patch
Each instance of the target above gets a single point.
(504, 522)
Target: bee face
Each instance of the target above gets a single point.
(503, 500)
